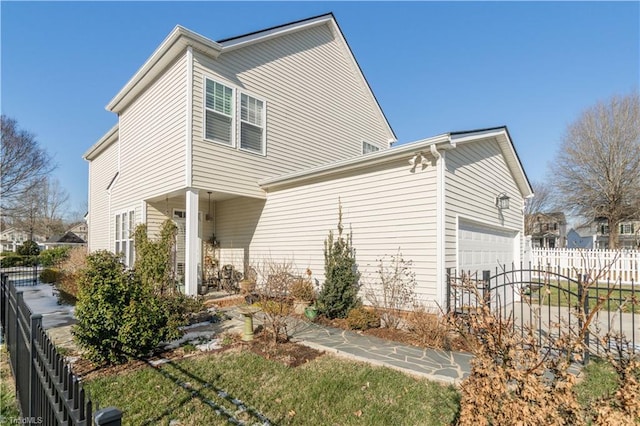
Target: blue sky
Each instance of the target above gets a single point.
(434, 67)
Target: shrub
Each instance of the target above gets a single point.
(339, 293)
(394, 291)
(361, 318)
(429, 328)
(29, 248)
(274, 298)
(54, 256)
(302, 289)
(50, 275)
(70, 268)
(11, 259)
(118, 316)
(154, 260)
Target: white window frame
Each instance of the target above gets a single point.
(124, 223)
(368, 148)
(236, 117)
(232, 142)
(626, 229)
(263, 118)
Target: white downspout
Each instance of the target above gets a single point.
(440, 225)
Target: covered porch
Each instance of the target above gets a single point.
(215, 230)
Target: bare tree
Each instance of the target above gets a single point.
(42, 208)
(23, 163)
(598, 165)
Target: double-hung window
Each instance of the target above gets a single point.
(251, 124)
(219, 112)
(234, 118)
(125, 226)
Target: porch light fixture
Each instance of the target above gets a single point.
(208, 215)
(502, 201)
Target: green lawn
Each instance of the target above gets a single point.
(560, 297)
(8, 404)
(326, 390)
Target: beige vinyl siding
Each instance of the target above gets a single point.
(385, 209)
(317, 109)
(476, 173)
(153, 138)
(102, 170)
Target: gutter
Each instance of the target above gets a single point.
(359, 162)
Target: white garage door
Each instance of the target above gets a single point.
(482, 248)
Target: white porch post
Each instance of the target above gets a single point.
(191, 244)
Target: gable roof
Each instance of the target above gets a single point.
(442, 142)
(68, 237)
(181, 38)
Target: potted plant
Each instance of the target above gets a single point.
(303, 294)
(311, 312)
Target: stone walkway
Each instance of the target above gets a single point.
(442, 366)
(437, 365)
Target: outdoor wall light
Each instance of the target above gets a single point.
(502, 201)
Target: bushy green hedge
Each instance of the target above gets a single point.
(54, 256)
(120, 317)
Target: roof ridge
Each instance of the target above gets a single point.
(329, 14)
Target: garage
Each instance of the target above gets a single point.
(484, 248)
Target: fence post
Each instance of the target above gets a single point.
(583, 296)
(34, 327)
(109, 416)
(486, 288)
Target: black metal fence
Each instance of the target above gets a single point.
(552, 305)
(46, 389)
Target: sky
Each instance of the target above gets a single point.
(434, 67)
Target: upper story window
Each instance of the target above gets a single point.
(626, 228)
(234, 118)
(219, 112)
(367, 148)
(251, 124)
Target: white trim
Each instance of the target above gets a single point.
(189, 120)
(263, 152)
(358, 161)
(172, 46)
(440, 224)
(191, 243)
(143, 212)
(204, 111)
(106, 140)
(129, 255)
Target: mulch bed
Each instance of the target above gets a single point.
(287, 353)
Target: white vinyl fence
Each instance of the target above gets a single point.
(613, 265)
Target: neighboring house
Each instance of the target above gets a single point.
(598, 232)
(13, 237)
(67, 239)
(577, 240)
(547, 230)
(80, 229)
(253, 142)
